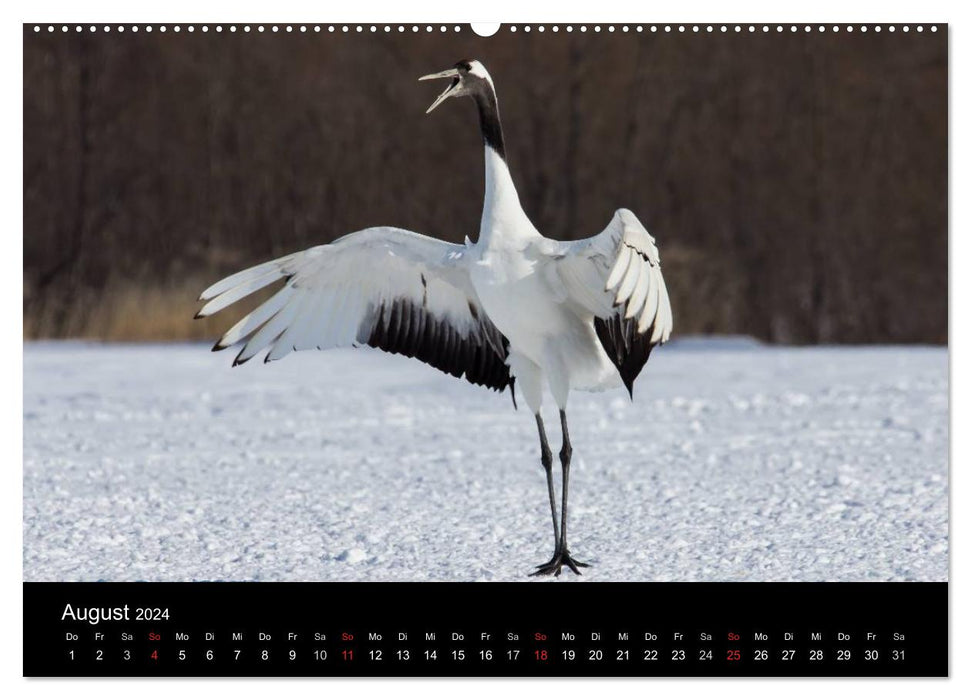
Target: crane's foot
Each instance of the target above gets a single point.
(555, 565)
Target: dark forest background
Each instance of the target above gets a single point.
(796, 183)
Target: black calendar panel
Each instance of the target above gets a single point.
(485, 629)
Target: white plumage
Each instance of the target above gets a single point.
(513, 306)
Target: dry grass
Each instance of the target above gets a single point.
(129, 312)
(705, 296)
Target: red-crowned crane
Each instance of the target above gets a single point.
(512, 307)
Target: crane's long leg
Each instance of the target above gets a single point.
(562, 555)
(546, 457)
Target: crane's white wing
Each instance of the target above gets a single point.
(388, 288)
(616, 276)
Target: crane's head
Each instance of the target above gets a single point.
(468, 78)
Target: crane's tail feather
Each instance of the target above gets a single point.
(266, 322)
(274, 269)
(641, 291)
(256, 318)
(234, 294)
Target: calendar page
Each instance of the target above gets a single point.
(446, 350)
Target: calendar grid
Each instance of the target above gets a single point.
(614, 629)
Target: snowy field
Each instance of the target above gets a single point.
(735, 462)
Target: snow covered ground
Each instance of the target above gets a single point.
(734, 462)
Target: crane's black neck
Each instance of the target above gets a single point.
(488, 106)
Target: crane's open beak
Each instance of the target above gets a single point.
(450, 73)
